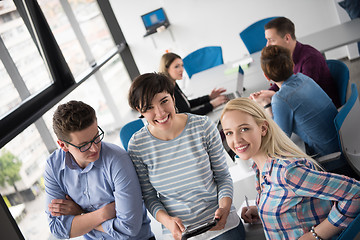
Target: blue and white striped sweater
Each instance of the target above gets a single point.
(185, 176)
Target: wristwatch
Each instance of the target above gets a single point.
(267, 106)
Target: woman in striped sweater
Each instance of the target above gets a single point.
(180, 162)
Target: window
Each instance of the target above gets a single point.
(22, 69)
(9, 97)
(52, 51)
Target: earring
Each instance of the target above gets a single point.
(176, 109)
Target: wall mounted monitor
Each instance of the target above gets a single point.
(155, 19)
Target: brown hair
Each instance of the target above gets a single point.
(166, 61)
(283, 26)
(145, 87)
(71, 117)
(276, 62)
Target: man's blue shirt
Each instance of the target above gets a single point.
(110, 178)
(302, 107)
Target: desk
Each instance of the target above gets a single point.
(333, 37)
(225, 76)
(244, 184)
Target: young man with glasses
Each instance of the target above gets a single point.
(91, 186)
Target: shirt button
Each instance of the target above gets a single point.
(85, 192)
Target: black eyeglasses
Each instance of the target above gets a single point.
(88, 145)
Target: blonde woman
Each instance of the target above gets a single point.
(295, 199)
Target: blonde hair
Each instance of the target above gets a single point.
(275, 143)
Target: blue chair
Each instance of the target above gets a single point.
(128, 130)
(202, 59)
(352, 232)
(254, 35)
(347, 125)
(340, 73)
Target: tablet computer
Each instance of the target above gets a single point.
(197, 229)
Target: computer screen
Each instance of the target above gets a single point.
(155, 19)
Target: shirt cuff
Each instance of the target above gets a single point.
(337, 219)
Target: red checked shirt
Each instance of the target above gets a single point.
(293, 197)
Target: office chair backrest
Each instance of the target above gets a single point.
(128, 130)
(202, 59)
(254, 35)
(352, 232)
(340, 73)
(347, 125)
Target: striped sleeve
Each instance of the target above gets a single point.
(152, 203)
(344, 191)
(218, 160)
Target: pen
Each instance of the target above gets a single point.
(247, 202)
(247, 205)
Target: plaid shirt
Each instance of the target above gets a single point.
(293, 197)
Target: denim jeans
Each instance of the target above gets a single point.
(237, 233)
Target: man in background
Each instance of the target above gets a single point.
(307, 60)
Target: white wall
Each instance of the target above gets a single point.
(199, 23)
(351, 51)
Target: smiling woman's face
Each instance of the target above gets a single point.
(243, 134)
(161, 111)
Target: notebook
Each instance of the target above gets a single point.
(239, 85)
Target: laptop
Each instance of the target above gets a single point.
(238, 93)
(154, 20)
(239, 85)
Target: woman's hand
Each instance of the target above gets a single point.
(250, 214)
(219, 101)
(216, 92)
(175, 226)
(325, 230)
(59, 207)
(221, 214)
